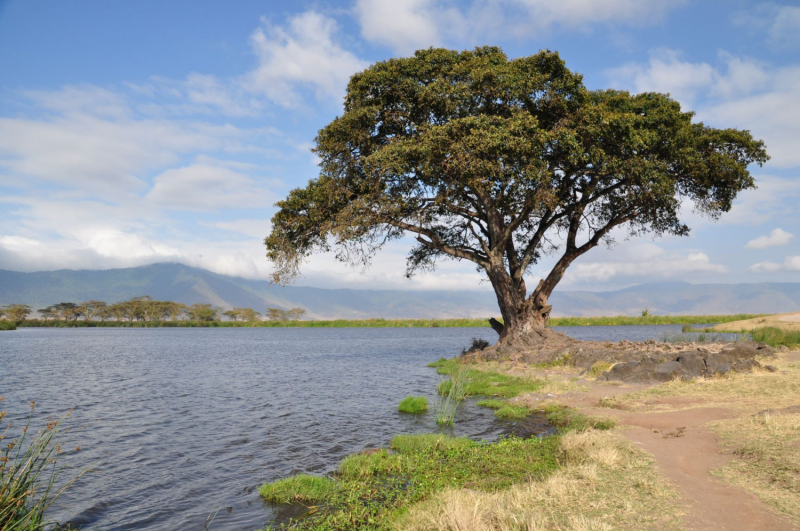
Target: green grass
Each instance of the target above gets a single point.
(486, 383)
(372, 490)
(413, 405)
(509, 412)
(776, 337)
(302, 488)
(407, 444)
(567, 419)
(504, 410)
(492, 403)
(8, 325)
(451, 393)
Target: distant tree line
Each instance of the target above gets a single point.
(143, 309)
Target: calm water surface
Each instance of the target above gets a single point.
(188, 421)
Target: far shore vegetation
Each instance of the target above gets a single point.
(147, 312)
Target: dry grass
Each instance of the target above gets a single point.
(746, 392)
(785, 321)
(768, 464)
(605, 484)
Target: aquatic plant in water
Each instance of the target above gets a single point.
(413, 405)
(28, 474)
(451, 392)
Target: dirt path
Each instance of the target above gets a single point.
(686, 451)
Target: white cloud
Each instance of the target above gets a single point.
(790, 263)
(103, 156)
(414, 24)
(205, 187)
(785, 27)
(779, 23)
(665, 72)
(640, 261)
(253, 228)
(403, 26)
(744, 94)
(303, 54)
(775, 238)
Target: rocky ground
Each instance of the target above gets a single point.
(637, 362)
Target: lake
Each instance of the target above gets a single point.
(184, 422)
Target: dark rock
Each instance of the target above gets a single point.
(667, 371)
(771, 368)
(718, 364)
(631, 371)
(693, 365)
(745, 365)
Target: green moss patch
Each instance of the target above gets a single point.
(301, 488)
(413, 405)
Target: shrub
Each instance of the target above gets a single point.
(413, 405)
(8, 325)
(478, 343)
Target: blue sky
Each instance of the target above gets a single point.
(151, 131)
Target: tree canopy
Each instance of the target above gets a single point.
(502, 162)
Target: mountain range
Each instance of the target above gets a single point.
(189, 285)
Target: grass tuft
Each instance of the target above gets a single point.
(492, 403)
(776, 337)
(599, 368)
(569, 420)
(509, 412)
(451, 393)
(413, 405)
(301, 488)
(29, 470)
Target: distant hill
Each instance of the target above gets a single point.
(191, 285)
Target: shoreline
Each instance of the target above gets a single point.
(395, 323)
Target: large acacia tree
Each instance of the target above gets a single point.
(501, 162)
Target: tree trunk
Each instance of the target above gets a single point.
(524, 318)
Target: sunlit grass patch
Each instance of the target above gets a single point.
(413, 405)
(488, 383)
(567, 419)
(768, 460)
(492, 403)
(509, 412)
(372, 490)
(604, 484)
(301, 488)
